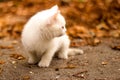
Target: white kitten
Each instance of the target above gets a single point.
(44, 35)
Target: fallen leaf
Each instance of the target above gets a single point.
(80, 29)
(17, 56)
(1, 70)
(7, 47)
(14, 62)
(81, 74)
(2, 62)
(115, 33)
(26, 77)
(102, 26)
(1, 53)
(77, 43)
(14, 42)
(104, 63)
(116, 47)
(79, 32)
(70, 66)
(96, 42)
(101, 33)
(30, 72)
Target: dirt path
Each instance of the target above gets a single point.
(99, 62)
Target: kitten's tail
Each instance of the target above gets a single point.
(74, 51)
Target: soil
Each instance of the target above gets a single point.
(92, 25)
(100, 62)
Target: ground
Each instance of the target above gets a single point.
(101, 62)
(92, 25)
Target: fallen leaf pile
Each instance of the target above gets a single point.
(14, 14)
(87, 20)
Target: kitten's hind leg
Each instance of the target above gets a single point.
(33, 59)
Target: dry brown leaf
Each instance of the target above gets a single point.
(26, 77)
(96, 42)
(7, 47)
(80, 29)
(70, 66)
(104, 63)
(79, 32)
(101, 33)
(81, 74)
(2, 62)
(1, 35)
(83, 35)
(78, 43)
(116, 47)
(17, 56)
(1, 70)
(102, 26)
(115, 33)
(14, 42)
(71, 31)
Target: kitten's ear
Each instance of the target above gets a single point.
(54, 8)
(53, 17)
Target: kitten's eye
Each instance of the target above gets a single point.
(62, 27)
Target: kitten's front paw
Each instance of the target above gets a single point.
(32, 61)
(43, 64)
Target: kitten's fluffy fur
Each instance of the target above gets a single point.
(44, 35)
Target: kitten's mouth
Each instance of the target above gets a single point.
(60, 35)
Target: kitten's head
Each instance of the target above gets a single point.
(55, 22)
